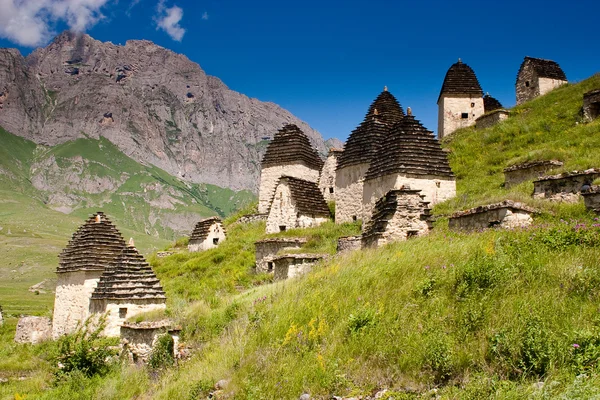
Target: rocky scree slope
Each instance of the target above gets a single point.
(157, 106)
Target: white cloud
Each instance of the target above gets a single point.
(168, 20)
(29, 22)
(205, 16)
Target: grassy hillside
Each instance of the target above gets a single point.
(504, 314)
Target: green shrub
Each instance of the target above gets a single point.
(585, 351)
(536, 350)
(162, 353)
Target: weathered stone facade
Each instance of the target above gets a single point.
(292, 265)
(491, 118)
(518, 173)
(268, 249)
(348, 243)
(33, 330)
(138, 339)
(250, 218)
(288, 154)
(398, 215)
(591, 105)
(537, 77)
(461, 99)
(591, 199)
(207, 234)
(507, 214)
(297, 204)
(327, 178)
(359, 150)
(565, 187)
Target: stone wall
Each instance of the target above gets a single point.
(451, 109)
(591, 105)
(270, 175)
(348, 193)
(292, 265)
(507, 214)
(72, 300)
(546, 85)
(433, 188)
(591, 199)
(327, 178)
(532, 170)
(527, 85)
(247, 219)
(267, 250)
(349, 243)
(564, 187)
(215, 231)
(492, 118)
(284, 213)
(118, 311)
(33, 330)
(139, 339)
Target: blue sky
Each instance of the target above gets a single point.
(325, 61)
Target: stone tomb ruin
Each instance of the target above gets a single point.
(566, 186)
(297, 204)
(292, 265)
(494, 113)
(138, 339)
(519, 173)
(207, 234)
(33, 330)
(268, 249)
(409, 157)
(399, 215)
(327, 178)
(507, 214)
(359, 150)
(288, 154)
(460, 101)
(591, 105)
(537, 77)
(347, 244)
(591, 199)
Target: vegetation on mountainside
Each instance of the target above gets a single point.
(496, 314)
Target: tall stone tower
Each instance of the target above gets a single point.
(93, 247)
(461, 99)
(537, 77)
(358, 152)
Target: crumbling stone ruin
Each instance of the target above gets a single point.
(359, 150)
(591, 199)
(288, 154)
(138, 339)
(327, 178)
(98, 273)
(460, 101)
(494, 113)
(126, 288)
(33, 330)
(507, 214)
(399, 215)
(566, 186)
(409, 157)
(518, 173)
(292, 265)
(207, 234)
(537, 77)
(250, 218)
(268, 249)
(591, 104)
(297, 203)
(348, 243)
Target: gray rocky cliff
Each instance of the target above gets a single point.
(157, 106)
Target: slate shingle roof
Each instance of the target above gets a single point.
(490, 103)
(409, 148)
(388, 108)
(94, 246)
(291, 145)
(544, 68)
(460, 79)
(202, 228)
(128, 278)
(307, 196)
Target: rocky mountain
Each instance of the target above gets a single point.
(156, 106)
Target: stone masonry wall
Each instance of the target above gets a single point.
(434, 189)
(546, 85)
(591, 105)
(500, 217)
(327, 179)
(592, 200)
(349, 193)
(527, 85)
(72, 300)
(291, 267)
(266, 250)
(118, 312)
(285, 213)
(565, 188)
(33, 330)
(514, 176)
(348, 243)
(492, 118)
(270, 175)
(450, 110)
(216, 231)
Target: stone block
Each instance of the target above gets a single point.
(33, 330)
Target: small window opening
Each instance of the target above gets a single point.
(123, 312)
(472, 105)
(270, 266)
(437, 184)
(215, 240)
(297, 215)
(464, 115)
(527, 84)
(594, 110)
(282, 228)
(330, 190)
(411, 234)
(354, 218)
